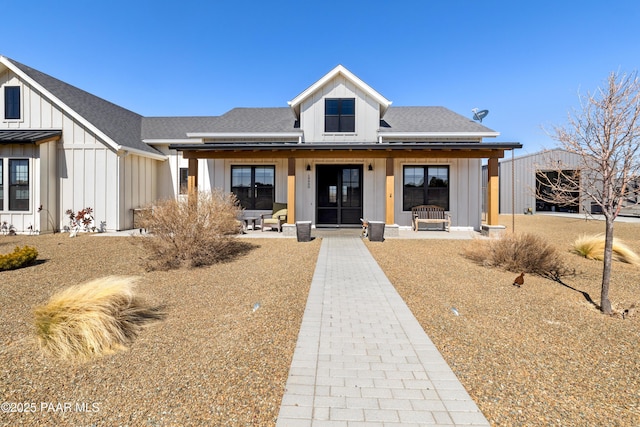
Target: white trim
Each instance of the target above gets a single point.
(382, 101)
(173, 141)
(126, 151)
(244, 134)
(386, 135)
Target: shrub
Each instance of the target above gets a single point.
(518, 252)
(18, 258)
(191, 233)
(94, 319)
(592, 247)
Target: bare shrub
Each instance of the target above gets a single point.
(192, 233)
(592, 247)
(94, 319)
(518, 252)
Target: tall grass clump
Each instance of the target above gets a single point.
(518, 252)
(94, 319)
(20, 257)
(592, 247)
(192, 233)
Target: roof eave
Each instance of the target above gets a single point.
(244, 134)
(438, 134)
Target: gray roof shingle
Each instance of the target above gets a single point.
(121, 125)
(428, 119)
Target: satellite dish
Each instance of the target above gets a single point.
(479, 115)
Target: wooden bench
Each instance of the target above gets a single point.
(430, 214)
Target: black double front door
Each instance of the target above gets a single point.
(338, 195)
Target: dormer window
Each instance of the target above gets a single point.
(340, 115)
(12, 102)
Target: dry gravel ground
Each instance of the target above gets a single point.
(213, 361)
(535, 356)
(539, 355)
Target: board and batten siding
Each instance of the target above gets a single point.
(367, 113)
(517, 178)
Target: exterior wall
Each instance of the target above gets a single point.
(522, 195)
(465, 190)
(312, 113)
(76, 172)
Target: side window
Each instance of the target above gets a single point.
(425, 185)
(184, 181)
(12, 103)
(18, 184)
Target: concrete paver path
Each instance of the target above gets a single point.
(362, 359)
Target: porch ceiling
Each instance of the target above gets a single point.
(29, 136)
(383, 150)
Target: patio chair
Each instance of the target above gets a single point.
(276, 218)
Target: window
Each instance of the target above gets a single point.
(254, 186)
(18, 184)
(425, 185)
(340, 115)
(12, 102)
(184, 181)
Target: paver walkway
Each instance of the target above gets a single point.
(362, 359)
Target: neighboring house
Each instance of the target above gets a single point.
(339, 152)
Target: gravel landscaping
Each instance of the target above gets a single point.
(537, 355)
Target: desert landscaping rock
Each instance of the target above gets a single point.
(538, 355)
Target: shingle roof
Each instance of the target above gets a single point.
(175, 127)
(121, 125)
(428, 119)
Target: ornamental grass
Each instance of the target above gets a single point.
(592, 247)
(97, 318)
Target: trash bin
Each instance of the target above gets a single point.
(303, 231)
(376, 231)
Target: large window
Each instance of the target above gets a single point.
(425, 185)
(254, 186)
(339, 115)
(18, 184)
(12, 102)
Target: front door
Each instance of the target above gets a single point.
(339, 195)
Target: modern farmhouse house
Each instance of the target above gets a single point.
(337, 153)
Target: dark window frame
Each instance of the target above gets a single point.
(19, 185)
(255, 195)
(340, 115)
(183, 181)
(12, 103)
(1, 184)
(425, 194)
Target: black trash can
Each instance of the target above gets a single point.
(376, 231)
(303, 231)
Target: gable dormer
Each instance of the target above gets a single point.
(339, 108)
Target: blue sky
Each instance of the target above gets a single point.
(523, 61)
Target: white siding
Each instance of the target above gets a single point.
(517, 190)
(367, 113)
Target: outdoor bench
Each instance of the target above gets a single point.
(430, 214)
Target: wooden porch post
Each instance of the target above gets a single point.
(192, 180)
(492, 192)
(390, 194)
(291, 191)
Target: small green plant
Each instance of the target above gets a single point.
(98, 318)
(519, 252)
(20, 257)
(592, 247)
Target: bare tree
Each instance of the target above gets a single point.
(605, 134)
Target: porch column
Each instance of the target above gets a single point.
(291, 191)
(492, 192)
(192, 180)
(390, 194)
